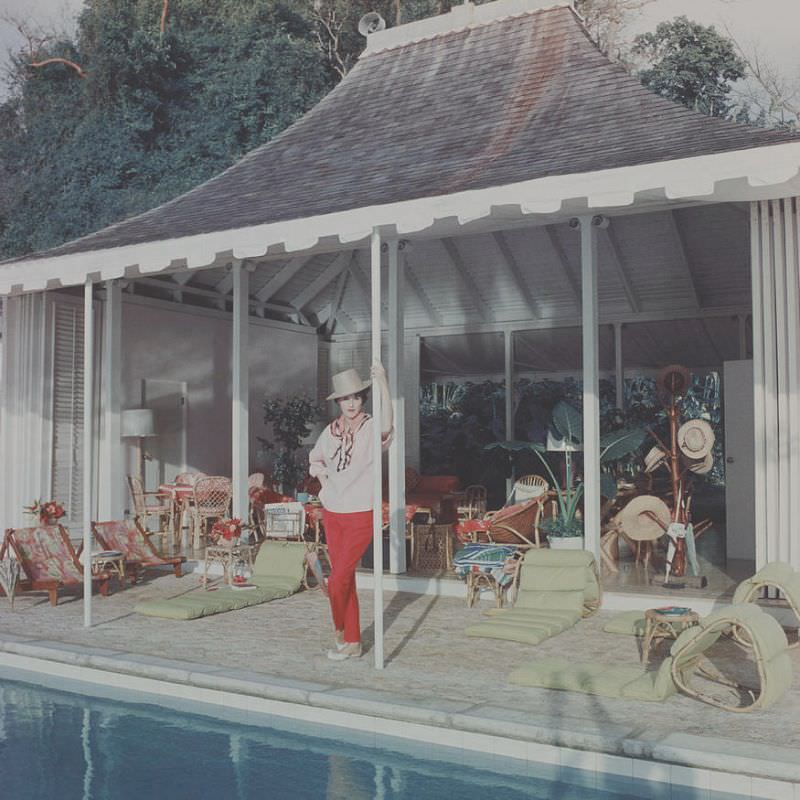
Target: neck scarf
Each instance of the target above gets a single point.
(346, 436)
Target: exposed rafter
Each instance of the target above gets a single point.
(330, 273)
(225, 283)
(683, 256)
(511, 264)
(610, 238)
(284, 275)
(707, 333)
(336, 302)
(467, 280)
(445, 359)
(566, 269)
(413, 283)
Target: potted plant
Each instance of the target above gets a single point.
(566, 435)
(291, 419)
(49, 513)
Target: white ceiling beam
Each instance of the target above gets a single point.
(336, 302)
(324, 279)
(419, 292)
(182, 278)
(566, 269)
(225, 284)
(707, 333)
(683, 256)
(512, 267)
(466, 279)
(612, 244)
(283, 276)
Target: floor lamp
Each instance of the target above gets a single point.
(138, 424)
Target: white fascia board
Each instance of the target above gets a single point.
(740, 175)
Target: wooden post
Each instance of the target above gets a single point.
(110, 506)
(240, 410)
(88, 447)
(508, 351)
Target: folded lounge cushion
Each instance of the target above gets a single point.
(627, 623)
(278, 572)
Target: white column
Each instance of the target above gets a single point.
(508, 352)
(240, 399)
(619, 367)
(377, 527)
(88, 447)
(759, 394)
(411, 383)
(397, 451)
(591, 384)
(112, 478)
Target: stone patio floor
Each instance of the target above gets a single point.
(427, 656)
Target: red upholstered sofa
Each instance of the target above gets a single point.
(428, 491)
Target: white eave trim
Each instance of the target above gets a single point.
(740, 175)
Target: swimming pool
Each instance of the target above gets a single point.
(56, 744)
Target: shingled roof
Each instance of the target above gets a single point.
(514, 99)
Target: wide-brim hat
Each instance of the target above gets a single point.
(639, 518)
(702, 466)
(696, 439)
(673, 381)
(347, 382)
(654, 459)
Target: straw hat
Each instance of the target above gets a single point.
(347, 382)
(637, 524)
(696, 439)
(673, 381)
(654, 459)
(702, 466)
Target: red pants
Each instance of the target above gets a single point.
(348, 536)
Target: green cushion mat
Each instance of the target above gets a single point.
(626, 623)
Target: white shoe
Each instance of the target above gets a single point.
(347, 650)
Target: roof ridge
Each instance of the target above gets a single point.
(459, 18)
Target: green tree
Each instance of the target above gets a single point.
(691, 64)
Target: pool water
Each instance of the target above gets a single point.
(62, 745)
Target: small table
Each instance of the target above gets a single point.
(110, 561)
(227, 555)
(660, 625)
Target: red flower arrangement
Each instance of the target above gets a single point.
(227, 529)
(49, 513)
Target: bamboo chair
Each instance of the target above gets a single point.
(128, 537)
(517, 525)
(474, 503)
(774, 575)
(162, 508)
(188, 478)
(529, 486)
(48, 560)
(212, 500)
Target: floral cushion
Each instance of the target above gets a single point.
(125, 536)
(46, 554)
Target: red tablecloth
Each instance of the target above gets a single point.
(177, 491)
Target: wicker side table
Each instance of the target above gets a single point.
(227, 556)
(659, 625)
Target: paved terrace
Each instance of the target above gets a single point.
(433, 674)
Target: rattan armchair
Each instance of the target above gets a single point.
(212, 501)
(517, 524)
(151, 504)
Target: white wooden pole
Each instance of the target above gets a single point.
(110, 505)
(412, 387)
(508, 352)
(591, 385)
(759, 378)
(619, 367)
(397, 451)
(240, 427)
(88, 447)
(377, 527)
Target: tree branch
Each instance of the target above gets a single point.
(57, 60)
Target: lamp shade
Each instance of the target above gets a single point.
(138, 422)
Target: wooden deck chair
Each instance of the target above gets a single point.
(473, 505)
(556, 588)
(48, 561)
(128, 538)
(774, 575)
(151, 504)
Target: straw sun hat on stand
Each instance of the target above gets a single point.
(639, 519)
(696, 439)
(654, 459)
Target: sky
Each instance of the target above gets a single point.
(772, 25)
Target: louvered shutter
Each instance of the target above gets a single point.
(68, 410)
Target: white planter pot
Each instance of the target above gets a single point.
(566, 542)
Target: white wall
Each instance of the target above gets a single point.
(170, 342)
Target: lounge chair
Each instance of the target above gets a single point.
(775, 575)
(128, 537)
(556, 588)
(48, 561)
(278, 572)
(679, 671)
(517, 525)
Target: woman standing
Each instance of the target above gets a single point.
(342, 461)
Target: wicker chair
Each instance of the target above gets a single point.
(474, 502)
(529, 486)
(517, 524)
(151, 504)
(188, 478)
(212, 500)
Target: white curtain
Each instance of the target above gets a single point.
(25, 446)
(774, 232)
